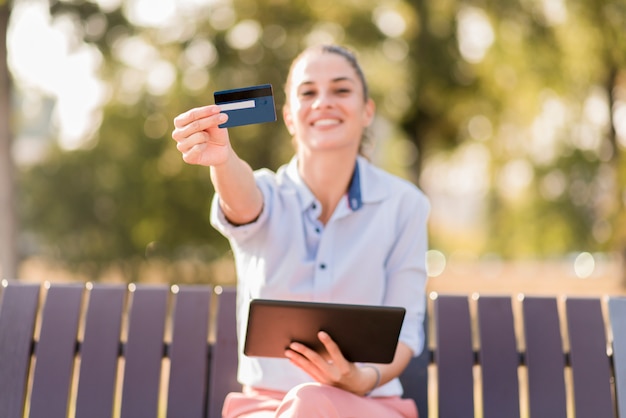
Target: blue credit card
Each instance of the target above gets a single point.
(247, 105)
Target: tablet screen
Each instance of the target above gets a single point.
(364, 333)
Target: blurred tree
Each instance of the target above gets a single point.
(609, 18)
(8, 217)
(528, 84)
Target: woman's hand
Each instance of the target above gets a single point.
(199, 138)
(334, 369)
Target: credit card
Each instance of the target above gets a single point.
(247, 105)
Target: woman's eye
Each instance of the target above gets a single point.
(343, 91)
(307, 93)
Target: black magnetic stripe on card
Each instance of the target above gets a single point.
(242, 94)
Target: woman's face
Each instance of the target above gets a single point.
(325, 107)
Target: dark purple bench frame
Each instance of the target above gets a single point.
(61, 348)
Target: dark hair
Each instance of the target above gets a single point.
(349, 56)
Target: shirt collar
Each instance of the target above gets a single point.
(305, 195)
(358, 191)
(354, 189)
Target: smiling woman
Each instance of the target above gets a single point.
(341, 230)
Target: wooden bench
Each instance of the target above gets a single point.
(101, 350)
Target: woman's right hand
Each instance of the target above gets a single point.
(199, 138)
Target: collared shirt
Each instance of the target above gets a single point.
(371, 251)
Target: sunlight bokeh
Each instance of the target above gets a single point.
(46, 58)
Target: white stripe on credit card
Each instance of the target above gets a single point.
(246, 104)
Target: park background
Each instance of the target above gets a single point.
(510, 115)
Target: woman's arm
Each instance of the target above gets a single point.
(395, 368)
(240, 198)
(201, 141)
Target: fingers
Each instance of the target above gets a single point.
(302, 352)
(332, 348)
(192, 147)
(198, 136)
(195, 114)
(334, 356)
(197, 120)
(330, 368)
(312, 363)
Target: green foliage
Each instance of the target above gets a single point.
(129, 197)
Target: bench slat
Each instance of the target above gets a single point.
(100, 351)
(189, 354)
(591, 368)
(499, 357)
(18, 312)
(544, 358)
(54, 353)
(144, 352)
(617, 315)
(454, 357)
(224, 354)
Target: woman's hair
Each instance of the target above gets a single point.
(344, 52)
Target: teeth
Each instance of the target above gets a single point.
(326, 122)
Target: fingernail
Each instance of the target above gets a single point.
(223, 117)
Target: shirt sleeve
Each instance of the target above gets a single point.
(406, 268)
(239, 233)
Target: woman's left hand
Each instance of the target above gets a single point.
(332, 369)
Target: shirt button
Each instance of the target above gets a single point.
(322, 266)
(318, 230)
(313, 206)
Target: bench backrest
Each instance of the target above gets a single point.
(543, 359)
(101, 350)
(142, 350)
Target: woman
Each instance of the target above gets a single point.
(329, 227)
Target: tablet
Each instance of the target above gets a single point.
(364, 333)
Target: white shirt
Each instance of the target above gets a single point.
(371, 251)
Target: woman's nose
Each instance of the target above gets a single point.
(323, 99)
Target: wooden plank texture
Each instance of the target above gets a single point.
(18, 312)
(100, 351)
(189, 353)
(55, 350)
(454, 356)
(224, 354)
(591, 368)
(200, 374)
(144, 351)
(498, 357)
(544, 358)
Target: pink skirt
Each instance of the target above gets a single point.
(314, 400)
